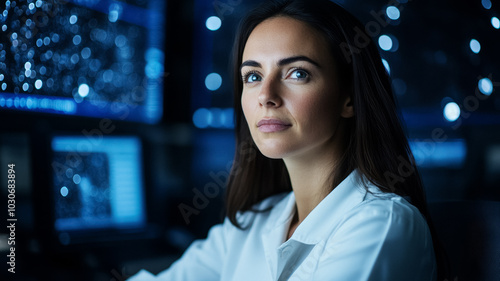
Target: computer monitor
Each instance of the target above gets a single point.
(97, 188)
(101, 59)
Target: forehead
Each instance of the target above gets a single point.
(282, 36)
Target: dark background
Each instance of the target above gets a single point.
(432, 66)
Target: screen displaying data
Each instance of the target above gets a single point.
(97, 184)
(95, 58)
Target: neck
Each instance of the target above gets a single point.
(311, 175)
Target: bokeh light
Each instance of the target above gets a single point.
(392, 13)
(451, 111)
(475, 46)
(64, 191)
(385, 42)
(386, 65)
(485, 86)
(495, 22)
(213, 81)
(213, 23)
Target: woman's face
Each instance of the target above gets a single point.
(291, 98)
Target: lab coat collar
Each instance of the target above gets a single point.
(317, 226)
(325, 217)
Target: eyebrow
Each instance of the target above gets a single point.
(281, 62)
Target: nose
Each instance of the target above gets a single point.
(269, 95)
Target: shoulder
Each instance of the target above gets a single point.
(384, 231)
(385, 217)
(390, 221)
(389, 207)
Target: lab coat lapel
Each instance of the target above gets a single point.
(312, 234)
(307, 244)
(326, 216)
(291, 255)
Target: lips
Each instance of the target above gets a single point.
(272, 125)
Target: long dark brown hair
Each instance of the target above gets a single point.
(376, 143)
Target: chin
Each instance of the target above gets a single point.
(272, 155)
(273, 151)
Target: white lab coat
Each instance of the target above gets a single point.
(352, 235)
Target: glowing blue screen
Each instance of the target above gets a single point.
(95, 58)
(97, 183)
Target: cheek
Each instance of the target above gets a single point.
(247, 106)
(317, 111)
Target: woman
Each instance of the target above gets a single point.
(324, 186)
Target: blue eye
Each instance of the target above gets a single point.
(254, 77)
(251, 77)
(299, 74)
